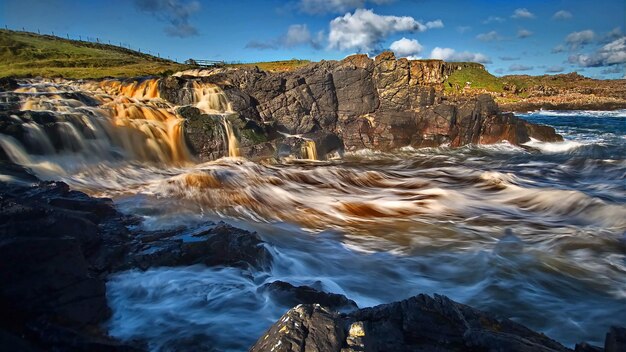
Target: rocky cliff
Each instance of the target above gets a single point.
(382, 104)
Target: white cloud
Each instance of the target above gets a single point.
(522, 13)
(365, 30)
(613, 53)
(577, 39)
(297, 34)
(518, 67)
(524, 33)
(491, 19)
(562, 15)
(434, 24)
(406, 47)
(335, 6)
(448, 54)
(463, 29)
(558, 49)
(489, 37)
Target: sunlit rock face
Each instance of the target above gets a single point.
(382, 103)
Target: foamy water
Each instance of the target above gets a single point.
(377, 227)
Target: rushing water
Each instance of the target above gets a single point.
(381, 227)
(535, 234)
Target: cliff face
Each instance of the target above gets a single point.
(380, 103)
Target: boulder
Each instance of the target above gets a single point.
(222, 244)
(420, 323)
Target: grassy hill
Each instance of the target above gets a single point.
(24, 54)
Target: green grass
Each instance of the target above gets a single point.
(25, 54)
(276, 66)
(479, 78)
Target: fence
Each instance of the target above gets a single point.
(94, 40)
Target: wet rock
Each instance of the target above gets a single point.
(615, 339)
(205, 135)
(289, 295)
(308, 327)
(420, 323)
(56, 245)
(219, 245)
(8, 84)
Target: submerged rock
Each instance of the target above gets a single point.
(420, 323)
(290, 295)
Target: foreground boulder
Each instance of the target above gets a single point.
(420, 323)
(57, 247)
(55, 244)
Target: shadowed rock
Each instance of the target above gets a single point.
(420, 323)
(289, 295)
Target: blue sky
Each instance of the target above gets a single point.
(509, 37)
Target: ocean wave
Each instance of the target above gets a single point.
(587, 113)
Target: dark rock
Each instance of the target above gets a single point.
(304, 328)
(615, 340)
(420, 323)
(289, 295)
(220, 245)
(8, 84)
(585, 347)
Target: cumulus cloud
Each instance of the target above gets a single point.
(463, 29)
(448, 54)
(489, 37)
(562, 15)
(518, 67)
(613, 34)
(576, 40)
(509, 58)
(335, 6)
(492, 19)
(365, 30)
(173, 12)
(522, 13)
(524, 33)
(297, 34)
(558, 49)
(406, 47)
(613, 53)
(555, 69)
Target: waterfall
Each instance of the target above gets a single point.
(309, 150)
(210, 99)
(130, 121)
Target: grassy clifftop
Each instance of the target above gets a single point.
(25, 54)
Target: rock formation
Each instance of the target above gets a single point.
(419, 323)
(382, 103)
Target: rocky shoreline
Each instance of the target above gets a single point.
(58, 247)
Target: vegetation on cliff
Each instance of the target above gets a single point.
(25, 54)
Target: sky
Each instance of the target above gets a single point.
(510, 37)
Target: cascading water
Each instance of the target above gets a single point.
(210, 99)
(309, 150)
(73, 125)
